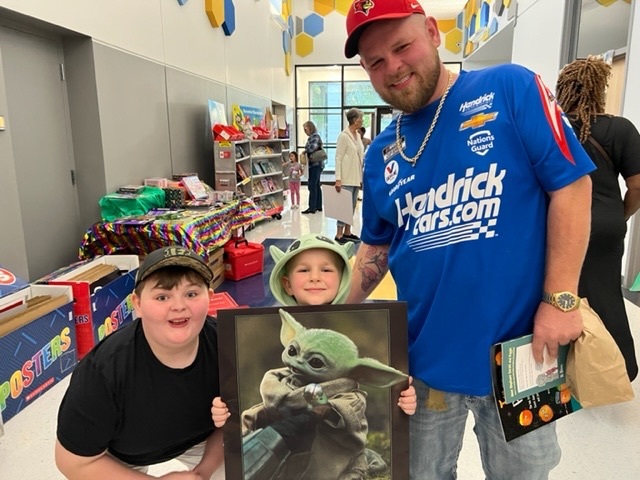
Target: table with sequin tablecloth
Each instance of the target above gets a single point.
(202, 231)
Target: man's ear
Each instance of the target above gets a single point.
(433, 31)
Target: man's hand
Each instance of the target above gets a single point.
(338, 185)
(552, 328)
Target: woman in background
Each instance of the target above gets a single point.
(314, 169)
(613, 143)
(349, 157)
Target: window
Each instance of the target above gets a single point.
(325, 92)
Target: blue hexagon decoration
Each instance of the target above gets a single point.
(182, 2)
(229, 24)
(313, 25)
(290, 26)
(286, 42)
(493, 26)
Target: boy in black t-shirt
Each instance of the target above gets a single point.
(142, 395)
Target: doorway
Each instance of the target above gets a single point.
(39, 125)
(384, 115)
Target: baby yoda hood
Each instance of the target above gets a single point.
(306, 242)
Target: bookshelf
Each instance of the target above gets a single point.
(253, 168)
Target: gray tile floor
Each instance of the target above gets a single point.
(598, 444)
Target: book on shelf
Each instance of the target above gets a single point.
(265, 185)
(241, 171)
(240, 153)
(529, 395)
(255, 168)
(265, 166)
(271, 184)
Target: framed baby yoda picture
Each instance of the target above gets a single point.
(313, 391)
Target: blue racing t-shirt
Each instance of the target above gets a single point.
(467, 224)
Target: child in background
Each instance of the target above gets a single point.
(365, 140)
(142, 395)
(296, 170)
(314, 270)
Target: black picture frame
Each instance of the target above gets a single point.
(249, 346)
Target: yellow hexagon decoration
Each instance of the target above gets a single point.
(468, 48)
(469, 8)
(215, 12)
(288, 64)
(304, 44)
(606, 3)
(453, 41)
(342, 6)
(323, 7)
(446, 25)
(286, 9)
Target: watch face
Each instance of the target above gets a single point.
(566, 301)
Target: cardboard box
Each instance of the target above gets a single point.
(242, 259)
(100, 312)
(37, 354)
(220, 301)
(9, 283)
(216, 263)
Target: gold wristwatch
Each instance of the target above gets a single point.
(565, 301)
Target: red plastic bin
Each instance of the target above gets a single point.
(242, 259)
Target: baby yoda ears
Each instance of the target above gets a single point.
(376, 374)
(290, 327)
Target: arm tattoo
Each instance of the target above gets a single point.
(373, 265)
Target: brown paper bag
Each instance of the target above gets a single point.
(596, 372)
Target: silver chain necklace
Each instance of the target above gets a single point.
(415, 158)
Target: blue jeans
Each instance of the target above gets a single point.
(436, 441)
(313, 182)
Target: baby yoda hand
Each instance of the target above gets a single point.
(314, 395)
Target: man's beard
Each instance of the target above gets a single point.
(418, 96)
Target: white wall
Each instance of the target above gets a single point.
(328, 46)
(251, 59)
(631, 110)
(537, 38)
(600, 27)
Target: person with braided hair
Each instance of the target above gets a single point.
(613, 143)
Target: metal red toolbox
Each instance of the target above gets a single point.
(242, 259)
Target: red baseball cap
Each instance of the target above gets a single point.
(364, 12)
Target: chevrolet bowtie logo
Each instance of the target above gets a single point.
(478, 120)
